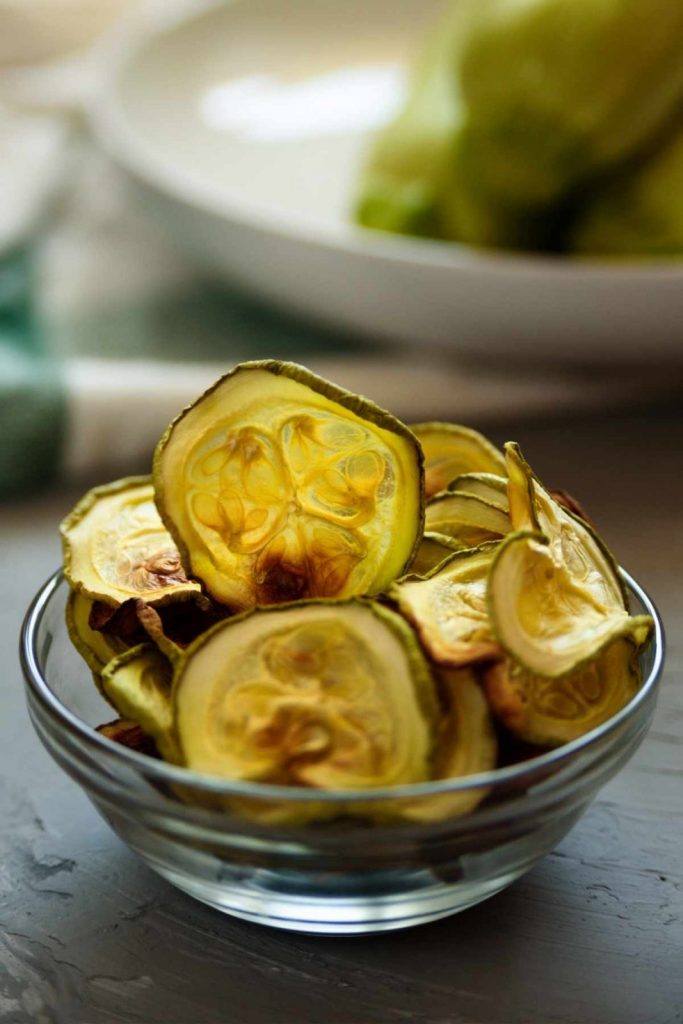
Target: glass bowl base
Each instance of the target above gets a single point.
(270, 898)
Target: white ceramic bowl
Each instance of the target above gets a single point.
(242, 126)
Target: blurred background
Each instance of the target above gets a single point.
(177, 188)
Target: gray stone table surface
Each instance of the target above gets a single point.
(594, 935)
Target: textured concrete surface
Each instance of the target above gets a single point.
(594, 935)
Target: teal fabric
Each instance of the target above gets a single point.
(32, 395)
(203, 323)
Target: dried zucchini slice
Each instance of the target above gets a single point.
(488, 486)
(322, 694)
(95, 648)
(433, 549)
(153, 625)
(550, 712)
(279, 486)
(128, 734)
(466, 745)
(138, 684)
(574, 545)
(549, 619)
(451, 450)
(467, 518)
(116, 547)
(449, 607)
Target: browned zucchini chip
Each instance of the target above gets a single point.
(128, 734)
(280, 486)
(116, 547)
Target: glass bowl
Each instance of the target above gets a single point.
(346, 876)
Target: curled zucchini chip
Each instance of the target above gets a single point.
(433, 549)
(549, 618)
(138, 684)
(451, 450)
(449, 607)
(95, 648)
(116, 547)
(573, 544)
(488, 486)
(279, 486)
(322, 694)
(466, 517)
(550, 712)
(466, 745)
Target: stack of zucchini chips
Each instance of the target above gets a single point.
(306, 592)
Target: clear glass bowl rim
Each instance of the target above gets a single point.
(521, 773)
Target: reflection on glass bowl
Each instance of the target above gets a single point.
(341, 877)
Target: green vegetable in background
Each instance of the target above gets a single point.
(517, 108)
(640, 212)
(557, 90)
(404, 180)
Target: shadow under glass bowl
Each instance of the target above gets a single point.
(343, 877)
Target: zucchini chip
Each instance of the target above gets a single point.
(466, 517)
(279, 486)
(95, 648)
(550, 712)
(466, 745)
(433, 550)
(488, 486)
(451, 450)
(116, 547)
(320, 694)
(573, 544)
(449, 608)
(138, 684)
(549, 618)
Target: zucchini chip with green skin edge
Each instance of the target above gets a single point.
(324, 694)
(573, 543)
(465, 517)
(549, 621)
(116, 547)
(450, 450)
(488, 486)
(138, 684)
(550, 712)
(278, 486)
(466, 745)
(449, 607)
(433, 550)
(95, 648)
